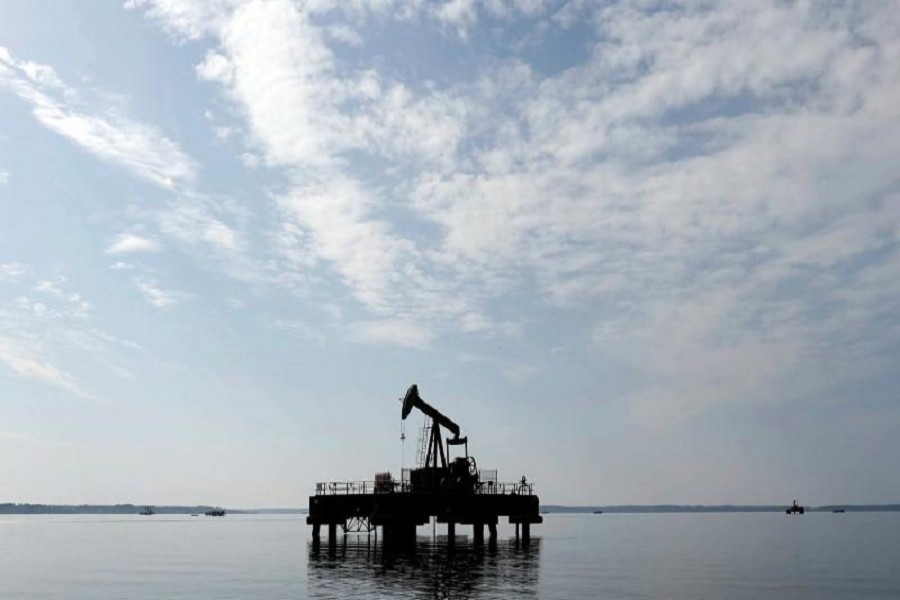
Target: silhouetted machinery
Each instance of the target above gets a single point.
(439, 473)
(448, 490)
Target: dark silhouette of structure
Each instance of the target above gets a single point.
(451, 491)
(795, 509)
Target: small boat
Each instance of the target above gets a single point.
(195, 515)
(147, 511)
(839, 510)
(216, 512)
(598, 512)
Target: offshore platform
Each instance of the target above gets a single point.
(450, 490)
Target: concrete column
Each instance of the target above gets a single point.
(399, 534)
(332, 534)
(389, 533)
(517, 532)
(316, 542)
(409, 535)
(478, 533)
(492, 532)
(451, 532)
(526, 532)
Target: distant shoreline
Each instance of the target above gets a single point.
(129, 509)
(720, 508)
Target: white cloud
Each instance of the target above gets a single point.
(291, 93)
(219, 234)
(12, 271)
(344, 34)
(189, 19)
(130, 243)
(214, 230)
(215, 67)
(121, 266)
(282, 85)
(718, 163)
(362, 249)
(737, 208)
(141, 149)
(249, 160)
(77, 306)
(459, 13)
(191, 221)
(198, 223)
(4, 177)
(17, 357)
(40, 335)
(464, 14)
(225, 132)
(157, 296)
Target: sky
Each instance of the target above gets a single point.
(641, 252)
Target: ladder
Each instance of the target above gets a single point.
(424, 436)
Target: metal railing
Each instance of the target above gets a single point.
(520, 488)
(341, 488)
(490, 487)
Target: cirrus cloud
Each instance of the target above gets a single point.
(131, 243)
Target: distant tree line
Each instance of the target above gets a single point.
(721, 508)
(11, 508)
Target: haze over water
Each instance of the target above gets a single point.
(690, 556)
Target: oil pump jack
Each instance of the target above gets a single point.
(449, 490)
(439, 473)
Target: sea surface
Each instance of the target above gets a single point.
(609, 556)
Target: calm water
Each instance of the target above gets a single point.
(697, 557)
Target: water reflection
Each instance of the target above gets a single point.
(361, 567)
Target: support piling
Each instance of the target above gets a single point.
(478, 533)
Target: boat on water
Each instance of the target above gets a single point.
(838, 510)
(795, 509)
(216, 512)
(598, 512)
(147, 511)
